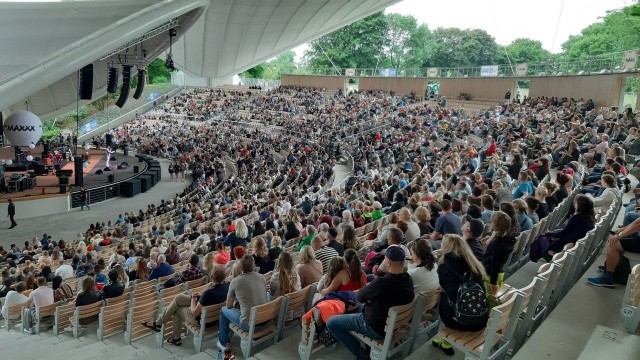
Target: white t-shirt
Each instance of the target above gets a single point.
(64, 271)
(424, 279)
(42, 296)
(12, 298)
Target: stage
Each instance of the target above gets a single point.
(48, 185)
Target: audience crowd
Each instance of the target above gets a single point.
(448, 194)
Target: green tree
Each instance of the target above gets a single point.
(157, 73)
(359, 45)
(256, 72)
(619, 30)
(283, 64)
(419, 48)
(526, 51)
(400, 29)
(453, 47)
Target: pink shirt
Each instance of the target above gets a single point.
(42, 296)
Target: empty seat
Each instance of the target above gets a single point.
(630, 310)
(112, 318)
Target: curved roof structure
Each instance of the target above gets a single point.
(43, 45)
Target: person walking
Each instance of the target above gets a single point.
(84, 197)
(11, 212)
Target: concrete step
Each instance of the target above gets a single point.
(201, 356)
(33, 346)
(157, 354)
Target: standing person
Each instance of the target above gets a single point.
(11, 212)
(84, 197)
(108, 153)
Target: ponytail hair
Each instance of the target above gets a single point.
(354, 266)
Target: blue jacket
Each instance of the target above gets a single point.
(163, 270)
(522, 187)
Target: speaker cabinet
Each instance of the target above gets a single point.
(86, 82)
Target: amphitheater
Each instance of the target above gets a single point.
(207, 153)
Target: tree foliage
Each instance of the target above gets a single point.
(526, 51)
(360, 45)
(619, 30)
(157, 73)
(398, 41)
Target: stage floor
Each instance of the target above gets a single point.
(48, 185)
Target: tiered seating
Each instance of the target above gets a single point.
(630, 310)
(271, 315)
(494, 341)
(401, 327)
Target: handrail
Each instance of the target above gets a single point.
(590, 64)
(124, 117)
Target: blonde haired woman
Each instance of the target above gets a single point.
(285, 279)
(239, 237)
(309, 269)
(261, 255)
(456, 260)
(208, 264)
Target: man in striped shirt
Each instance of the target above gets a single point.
(323, 253)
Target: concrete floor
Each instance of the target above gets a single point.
(66, 225)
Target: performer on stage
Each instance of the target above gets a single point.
(108, 152)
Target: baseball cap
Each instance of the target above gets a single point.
(395, 253)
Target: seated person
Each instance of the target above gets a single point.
(161, 269)
(42, 296)
(114, 288)
(625, 239)
(249, 289)
(187, 308)
(393, 289)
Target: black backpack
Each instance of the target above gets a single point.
(622, 272)
(471, 306)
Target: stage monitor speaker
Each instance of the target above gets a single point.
(112, 82)
(77, 167)
(126, 86)
(99, 172)
(140, 84)
(108, 138)
(85, 88)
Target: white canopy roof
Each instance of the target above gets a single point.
(43, 45)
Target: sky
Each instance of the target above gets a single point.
(507, 20)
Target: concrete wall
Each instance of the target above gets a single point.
(28, 208)
(327, 82)
(605, 90)
(478, 88)
(400, 86)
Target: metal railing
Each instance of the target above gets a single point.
(129, 115)
(590, 64)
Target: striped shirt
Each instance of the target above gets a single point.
(325, 254)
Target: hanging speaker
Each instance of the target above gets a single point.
(85, 89)
(126, 85)
(140, 85)
(78, 172)
(112, 83)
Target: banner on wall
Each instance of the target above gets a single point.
(388, 72)
(350, 72)
(629, 60)
(489, 70)
(432, 72)
(521, 69)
